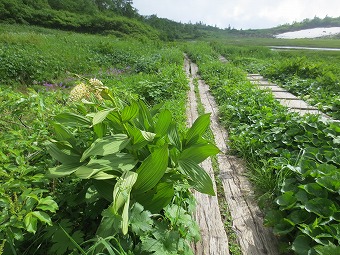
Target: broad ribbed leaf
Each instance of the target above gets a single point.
(174, 136)
(105, 146)
(63, 170)
(152, 170)
(63, 134)
(130, 112)
(116, 162)
(197, 129)
(64, 157)
(122, 189)
(72, 120)
(100, 129)
(163, 123)
(157, 198)
(198, 153)
(148, 136)
(85, 172)
(100, 116)
(201, 181)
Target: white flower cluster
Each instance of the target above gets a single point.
(84, 91)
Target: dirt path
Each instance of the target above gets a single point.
(253, 237)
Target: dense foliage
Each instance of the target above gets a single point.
(293, 160)
(107, 16)
(314, 76)
(104, 166)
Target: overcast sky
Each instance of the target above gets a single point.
(238, 14)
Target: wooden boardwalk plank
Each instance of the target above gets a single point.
(254, 238)
(214, 239)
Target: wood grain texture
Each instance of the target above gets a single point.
(214, 240)
(253, 237)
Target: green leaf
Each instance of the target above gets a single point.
(62, 170)
(85, 172)
(302, 245)
(43, 217)
(157, 198)
(331, 183)
(299, 216)
(174, 137)
(100, 129)
(105, 188)
(321, 206)
(64, 134)
(315, 190)
(200, 180)
(145, 121)
(105, 146)
(121, 196)
(198, 153)
(47, 204)
(197, 129)
(273, 217)
(100, 116)
(130, 112)
(73, 120)
(148, 136)
(152, 169)
(163, 123)
(116, 162)
(286, 201)
(31, 223)
(283, 227)
(31, 220)
(61, 155)
(140, 220)
(330, 249)
(122, 189)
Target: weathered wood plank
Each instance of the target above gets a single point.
(253, 237)
(214, 239)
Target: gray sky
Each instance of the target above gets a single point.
(243, 14)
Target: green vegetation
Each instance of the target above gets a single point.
(106, 166)
(314, 76)
(293, 161)
(76, 174)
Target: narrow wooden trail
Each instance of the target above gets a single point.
(214, 239)
(284, 97)
(253, 237)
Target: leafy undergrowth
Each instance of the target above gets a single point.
(115, 174)
(314, 76)
(293, 161)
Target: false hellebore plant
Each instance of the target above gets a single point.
(129, 153)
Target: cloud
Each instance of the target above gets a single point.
(239, 13)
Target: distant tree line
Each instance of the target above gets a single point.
(91, 16)
(309, 23)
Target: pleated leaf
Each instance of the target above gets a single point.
(200, 180)
(100, 116)
(152, 170)
(62, 156)
(72, 120)
(198, 129)
(130, 112)
(105, 146)
(163, 123)
(198, 153)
